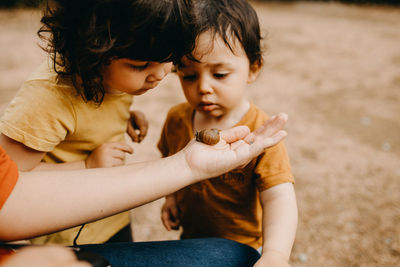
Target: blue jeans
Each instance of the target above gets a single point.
(202, 252)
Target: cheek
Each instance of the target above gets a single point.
(190, 93)
(230, 98)
(133, 79)
(127, 82)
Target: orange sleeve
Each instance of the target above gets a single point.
(8, 176)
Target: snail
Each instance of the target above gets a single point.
(208, 136)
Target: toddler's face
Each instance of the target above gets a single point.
(216, 85)
(132, 76)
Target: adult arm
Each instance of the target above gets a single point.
(48, 201)
(279, 224)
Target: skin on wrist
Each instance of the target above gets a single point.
(184, 168)
(276, 253)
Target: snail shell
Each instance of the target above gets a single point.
(208, 136)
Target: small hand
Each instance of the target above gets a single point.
(137, 126)
(272, 259)
(108, 155)
(170, 214)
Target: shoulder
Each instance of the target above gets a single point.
(179, 112)
(179, 109)
(254, 117)
(178, 121)
(46, 85)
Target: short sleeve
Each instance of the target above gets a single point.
(162, 142)
(176, 131)
(273, 168)
(8, 176)
(40, 116)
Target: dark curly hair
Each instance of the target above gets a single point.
(230, 18)
(85, 35)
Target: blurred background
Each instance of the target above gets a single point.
(334, 67)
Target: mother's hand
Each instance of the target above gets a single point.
(237, 147)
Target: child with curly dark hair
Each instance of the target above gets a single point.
(75, 109)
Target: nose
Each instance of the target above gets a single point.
(204, 85)
(159, 71)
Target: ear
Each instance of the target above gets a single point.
(255, 69)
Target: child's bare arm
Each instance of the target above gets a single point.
(279, 224)
(106, 155)
(28, 159)
(25, 157)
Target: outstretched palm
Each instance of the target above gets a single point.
(236, 148)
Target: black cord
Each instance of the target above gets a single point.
(77, 235)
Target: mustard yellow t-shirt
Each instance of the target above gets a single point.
(48, 115)
(227, 206)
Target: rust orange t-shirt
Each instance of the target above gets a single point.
(227, 206)
(8, 176)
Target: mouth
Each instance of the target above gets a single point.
(207, 106)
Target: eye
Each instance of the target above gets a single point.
(138, 67)
(220, 75)
(189, 78)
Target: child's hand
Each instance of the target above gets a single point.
(237, 147)
(108, 155)
(170, 214)
(272, 258)
(137, 126)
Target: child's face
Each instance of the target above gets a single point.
(132, 76)
(216, 85)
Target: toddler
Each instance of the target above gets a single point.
(256, 204)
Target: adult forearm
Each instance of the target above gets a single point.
(44, 202)
(48, 201)
(67, 166)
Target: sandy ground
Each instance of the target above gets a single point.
(335, 69)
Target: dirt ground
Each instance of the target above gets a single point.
(335, 69)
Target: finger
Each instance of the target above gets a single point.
(140, 123)
(165, 220)
(174, 213)
(269, 128)
(143, 132)
(117, 162)
(174, 217)
(234, 134)
(260, 144)
(123, 147)
(238, 143)
(276, 138)
(118, 154)
(143, 127)
(132, 133)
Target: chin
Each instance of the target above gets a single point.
(141, 91)
(214, 114)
